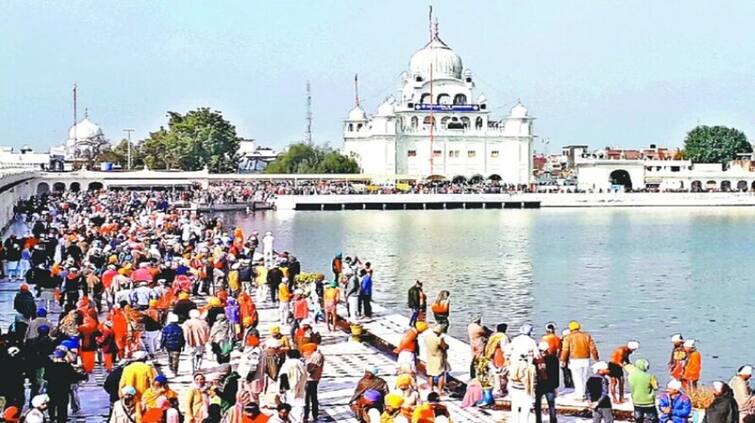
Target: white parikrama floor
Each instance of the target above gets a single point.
(345, 361)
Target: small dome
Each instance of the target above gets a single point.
(519, 111)
(436, 54)
(387, 108)
(482, 99)
(357, 113)
(84, 130)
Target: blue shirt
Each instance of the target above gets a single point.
(366, 285)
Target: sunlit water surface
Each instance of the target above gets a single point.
(624, 273)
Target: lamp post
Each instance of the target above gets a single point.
(129, 131)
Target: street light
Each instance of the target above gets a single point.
(129, 131)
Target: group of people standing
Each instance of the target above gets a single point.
(528, 370)
(124, 280)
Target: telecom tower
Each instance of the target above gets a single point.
(308, 132)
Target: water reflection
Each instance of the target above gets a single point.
(625, 273)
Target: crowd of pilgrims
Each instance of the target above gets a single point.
(116, 278)
(120, 279)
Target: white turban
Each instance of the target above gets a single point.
(600, 365)
(633, 345)
(39, 400)
(677, 338)
(745, 370)
(674, 384)
(718, 386)
(690, 343)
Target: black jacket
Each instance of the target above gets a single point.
(548, 371)
(723, 410)
(111, 383)
(24, 304)
(60, 375)
(414, 297)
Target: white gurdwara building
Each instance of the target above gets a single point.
(436, 126)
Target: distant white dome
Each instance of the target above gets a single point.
(357, 113)
(84, 130)
(519, 111)
(436, 54)
(387, 108)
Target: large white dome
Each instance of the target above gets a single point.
(357, 113)
(519, 111)
(84, 130)
(387, 108)
(445, 62)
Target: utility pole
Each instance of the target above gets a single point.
(308, 133)
(75, 115)
(356, 89)
(129, 131)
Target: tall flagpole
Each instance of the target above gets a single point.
(75, 115)
(432, 102)
(356, 90)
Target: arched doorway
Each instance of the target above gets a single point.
(697, 186)
(726, 186)
(710, 186)
(621, 177)
(459, 179)
(495, 177)
(58, 187)
(742, 186)
(476, 179)
(43, 188)
(75, 187)
(94, 186)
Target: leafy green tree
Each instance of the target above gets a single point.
(715, 144)
(118, 155)
(334, 162)
(192, 141)
(305, 158)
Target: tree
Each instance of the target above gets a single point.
(305, 158)
(715, 144)
(192, 141)
(118, 155)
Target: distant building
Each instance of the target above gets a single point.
(437, 124)
(254, 158)
(85, 138)
(571, 152)
(85, 141)
(26, 158)
(606, 172)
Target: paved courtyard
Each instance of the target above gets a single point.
(345, 361)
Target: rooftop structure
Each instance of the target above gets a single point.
(438, 124)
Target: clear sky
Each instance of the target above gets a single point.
(597, 72)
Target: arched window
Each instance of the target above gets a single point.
(359, 126)
(425, 99)
(429, 120)
(351, 127)
(415, 122)
(478, 123)
(465, 121)
(444, 99)
(460, 99)
(444, 121)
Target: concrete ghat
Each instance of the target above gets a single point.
(388, 328)
(345, 362)
(522, 200)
